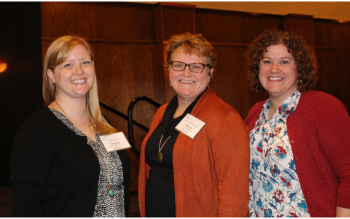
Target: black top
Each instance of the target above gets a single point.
(160, 192)
(55, 172)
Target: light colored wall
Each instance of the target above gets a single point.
(326, 10)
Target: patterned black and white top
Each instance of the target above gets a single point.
(106, 206)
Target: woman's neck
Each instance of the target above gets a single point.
(182, 106)
(76, 111)
(273, 107)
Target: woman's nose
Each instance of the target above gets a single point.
(274, 68)
(187, 72)
(79, 69)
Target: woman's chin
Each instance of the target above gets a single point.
(186, 95)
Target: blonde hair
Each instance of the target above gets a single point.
(56, 54)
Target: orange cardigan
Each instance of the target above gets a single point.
(211, 171)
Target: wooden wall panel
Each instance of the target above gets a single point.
(300, 24)
(253, 24)
(333, 69)
(178, 20)
(122, 21)
(219, 26)
(329, 33)
(125, 71)
(230, 82)
(160, 74)
(332, 50)
(233, 27)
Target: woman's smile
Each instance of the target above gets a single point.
(187, 84)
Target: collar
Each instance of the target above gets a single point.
(285, 110)
(169, 112)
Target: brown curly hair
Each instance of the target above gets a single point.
(304, 61)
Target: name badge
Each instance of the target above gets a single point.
(190, 125)
(115, 142)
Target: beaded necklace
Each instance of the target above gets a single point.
(110, 188)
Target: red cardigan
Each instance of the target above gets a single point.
(319, 131)
(211, 172)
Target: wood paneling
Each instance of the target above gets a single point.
(233, 27)
(229, 81)
(127, 21)
(160, 74)
(253, 24)
(119, 68)
(333, 69)
(300, 24)
(332, 50)
(178, 19)
(329, 33)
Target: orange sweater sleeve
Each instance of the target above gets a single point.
(230, 150)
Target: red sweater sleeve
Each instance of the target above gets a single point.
(333, 130)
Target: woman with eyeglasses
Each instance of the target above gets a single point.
(195, 159)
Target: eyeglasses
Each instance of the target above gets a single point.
(194, 67)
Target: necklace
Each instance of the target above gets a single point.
(110, 189)
(159, 154)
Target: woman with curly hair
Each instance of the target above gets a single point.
(299, 147)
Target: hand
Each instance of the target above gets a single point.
(342, 212)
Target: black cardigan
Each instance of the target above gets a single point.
(55, 172)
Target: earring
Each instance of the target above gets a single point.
(299, 83)
(170, 85)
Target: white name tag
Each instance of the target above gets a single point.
(190, 125)
(115, 142)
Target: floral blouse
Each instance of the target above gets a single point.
(274, 187)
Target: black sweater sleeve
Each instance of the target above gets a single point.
(30, 167)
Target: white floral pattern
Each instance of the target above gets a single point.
(274, 187)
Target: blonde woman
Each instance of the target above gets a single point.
(59, 168)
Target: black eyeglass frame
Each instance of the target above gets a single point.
(204, 65)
